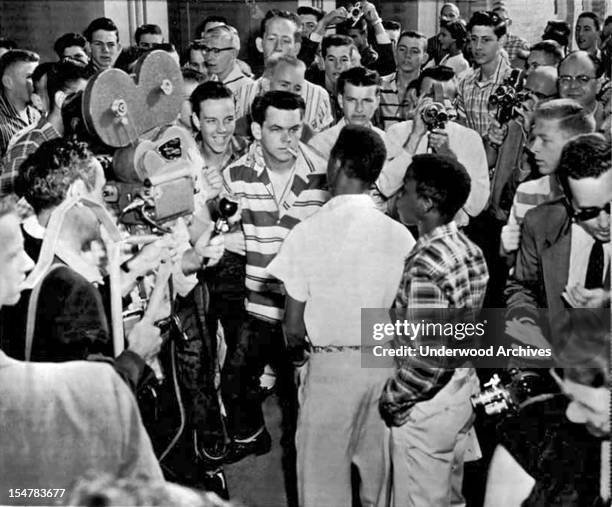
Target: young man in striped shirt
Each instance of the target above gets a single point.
(279, 182)
(556, 122)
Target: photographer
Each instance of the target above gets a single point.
(450, 138)
(556, 451)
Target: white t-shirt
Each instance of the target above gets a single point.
(345, 257)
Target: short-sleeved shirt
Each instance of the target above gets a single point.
(345, 257)
(266, 224)
(473, 96)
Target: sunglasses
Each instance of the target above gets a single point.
(584, 214)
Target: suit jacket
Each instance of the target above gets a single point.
(542, 264)
(60, 420)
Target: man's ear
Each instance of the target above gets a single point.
(259, 44)
(256, 130)
(425, 56)
(340, 99)
(7, 81)
(298, 46)
(195, 121)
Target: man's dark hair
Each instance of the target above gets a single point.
(7, 43)
(584, 156)
(280, 99)
(211, 90)
(488, 18)
(457, 30)
(558, 31)
(361, 153)
(46, 175)
(278, 13)
(199, 33)
(192, 75)
(550, 47)
(41, 70)
(15, 56)
(306, 10)
(63, 74)
(582, 348)
(358, 76)
(68, 40)
(414, 35)
(392, 25)
(597, 64)
(442, 179)
(593, 16)
(106, 24)
(146, 29)
(335, 40)
(571, 117)
(438, 73)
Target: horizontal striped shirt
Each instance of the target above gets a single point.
(393, 108)
(236, 79)
(532, 193)
(318, 114)
(266, 223)
(11, 122)
(473, 96)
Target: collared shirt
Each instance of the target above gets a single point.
(11, 122)
(514, 44)
(236, 79)
(318, 114)
(456, 62)
(266, 223)
(473, 96)
(469, 150)
(362, 277)
(393, 108)
(530, 194)
(397, 158)
(580, 251)
(28, 144)
(444, 270)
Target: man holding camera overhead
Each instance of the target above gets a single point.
(444, 138)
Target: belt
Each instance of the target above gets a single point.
(322, 349)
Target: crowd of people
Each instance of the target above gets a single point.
(373, 167)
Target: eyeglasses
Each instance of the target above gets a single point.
(582, 79)
(584, 214)
(206, 49)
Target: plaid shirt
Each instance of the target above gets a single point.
(514, 44)
(473, 96)
(444, 270)
(11, 122)
(26, 145)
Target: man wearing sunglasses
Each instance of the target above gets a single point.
(564, 253)
(579, 79)
(220, 47)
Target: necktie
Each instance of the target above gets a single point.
(594, 275)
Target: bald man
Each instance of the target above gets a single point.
(579, 79)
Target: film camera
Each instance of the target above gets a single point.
(508, 97)
(152, 178)
(354, 13)
(509, 392)
(435, 116)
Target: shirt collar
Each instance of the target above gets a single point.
(256, 160)
(449, 229)
(354, 200)
(235, 73)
